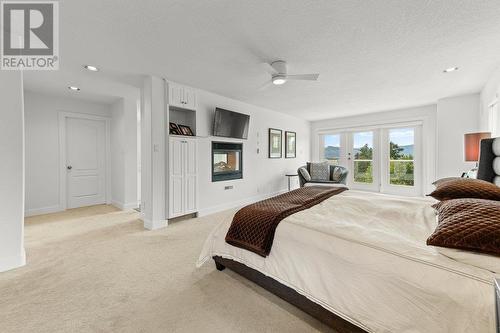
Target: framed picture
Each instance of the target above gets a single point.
(174, 129)
(290, 144)
(275, 143)
(185, 130)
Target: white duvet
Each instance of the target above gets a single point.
(363, 256)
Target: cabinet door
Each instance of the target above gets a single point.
(191, 176)
(189, 98)
(176, 95)
(176, 175)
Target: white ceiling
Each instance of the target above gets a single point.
(372, 55)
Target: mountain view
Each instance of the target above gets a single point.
(334, 152)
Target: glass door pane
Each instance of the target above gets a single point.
(331, 151)
(401, 159)
(362, 157)
(401, 172)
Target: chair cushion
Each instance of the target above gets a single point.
(320, 171)
(305, 174)
(331, 184)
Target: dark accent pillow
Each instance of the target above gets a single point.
(335, 174)
(468, 224)
(305, 174)
(443, 180)
(466, 188)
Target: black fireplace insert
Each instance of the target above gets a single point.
(227, 161)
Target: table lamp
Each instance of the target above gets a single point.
(472, 143)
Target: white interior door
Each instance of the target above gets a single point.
(85, 162)
(191, 176)
(176, 182)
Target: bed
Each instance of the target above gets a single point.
(359, 262)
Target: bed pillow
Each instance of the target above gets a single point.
(466, 188)
(468, 224)
(443, 180)
(305, 174)
(320, 171)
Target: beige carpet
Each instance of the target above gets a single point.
(97, 270)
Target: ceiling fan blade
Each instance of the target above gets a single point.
(270, 69)
(265, 86)
(309, 77)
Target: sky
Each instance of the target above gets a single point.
(400, 136)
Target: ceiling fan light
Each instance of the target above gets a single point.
(279, 80)
(91, 68)
(451, 69)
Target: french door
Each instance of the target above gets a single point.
(384, 160)
(362, 160)
(401, 169)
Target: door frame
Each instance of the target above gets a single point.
(63, 116)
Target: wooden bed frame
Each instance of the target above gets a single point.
(289, 295)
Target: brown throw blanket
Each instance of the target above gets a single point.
(253, 226)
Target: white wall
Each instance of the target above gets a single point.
(42, 146)
(455, 117)
(124, 153)
(489, 94)
(261, 176)
(117, 153)
(424, 114)
(12, 253)
(153, 153)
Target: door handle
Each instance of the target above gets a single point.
(69, 167)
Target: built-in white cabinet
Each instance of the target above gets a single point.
(181, 96)
(183, 176)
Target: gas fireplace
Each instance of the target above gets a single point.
(227, 162)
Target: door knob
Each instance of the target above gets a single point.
(69, 167)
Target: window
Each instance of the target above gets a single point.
(385, 159)
(401, 162)
(331, 151)
(363, 157)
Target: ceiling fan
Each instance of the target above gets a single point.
(279, 73)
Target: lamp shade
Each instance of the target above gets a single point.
(472, 143)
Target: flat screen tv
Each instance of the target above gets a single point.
(231, 124)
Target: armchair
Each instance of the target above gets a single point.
(340, 179)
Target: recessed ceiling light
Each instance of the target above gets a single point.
(73, 88)
(279, 80)
(91, 68)
(451, 69)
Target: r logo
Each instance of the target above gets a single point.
(29, 34)
(28, 29)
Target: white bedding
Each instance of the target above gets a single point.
(363, 256)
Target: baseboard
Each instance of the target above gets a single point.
(235, 204)
(12, 262)
(43, 210)
(124, 206)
